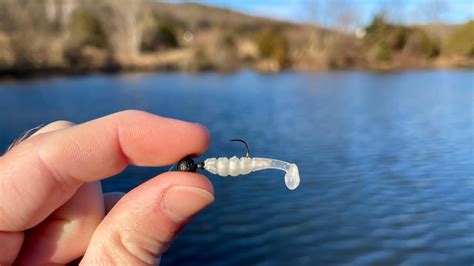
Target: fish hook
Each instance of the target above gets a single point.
(246, 146)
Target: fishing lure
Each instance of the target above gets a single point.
(234, 166)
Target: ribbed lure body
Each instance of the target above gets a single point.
(234, 166)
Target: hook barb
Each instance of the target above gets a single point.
(247, 154)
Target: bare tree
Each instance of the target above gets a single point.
(346, 14)
(396, 11)
(435, 10)
(340, 14)
(315, 11)
(343, 15)
(123, 20)
(67, 9)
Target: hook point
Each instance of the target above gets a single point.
(246, 146)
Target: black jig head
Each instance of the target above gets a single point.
(187, 165)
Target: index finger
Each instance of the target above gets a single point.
(42, 173)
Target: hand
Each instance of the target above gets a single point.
(52, 209)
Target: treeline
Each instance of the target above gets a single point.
(86, 35)
(384, 42)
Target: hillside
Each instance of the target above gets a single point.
(81, 36)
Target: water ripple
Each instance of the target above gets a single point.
(386, 161)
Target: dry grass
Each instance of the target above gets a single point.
(222, 40)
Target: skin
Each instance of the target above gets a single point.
(53, 211)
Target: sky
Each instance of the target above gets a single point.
(403, 11)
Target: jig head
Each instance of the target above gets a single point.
(234, 166)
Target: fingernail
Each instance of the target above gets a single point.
(182, 202)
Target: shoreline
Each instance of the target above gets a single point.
(195, 38)
(29, 74)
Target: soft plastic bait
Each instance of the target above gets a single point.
(234, 166)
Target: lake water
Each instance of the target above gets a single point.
(386, 160)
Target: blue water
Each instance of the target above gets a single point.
(386, 160)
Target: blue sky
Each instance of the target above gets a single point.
(405, 11)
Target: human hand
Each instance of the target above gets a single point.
(52, 209)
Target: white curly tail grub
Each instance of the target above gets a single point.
(234, 166)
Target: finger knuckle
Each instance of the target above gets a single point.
(61, 124)
(131, 114)
(133, 246)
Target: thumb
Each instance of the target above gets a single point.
(142, 225)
